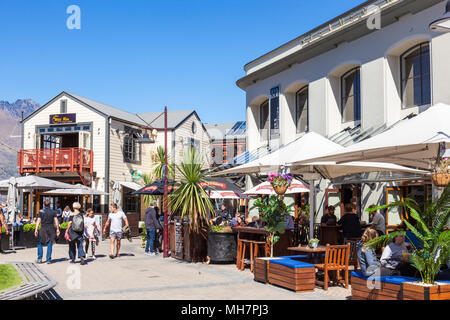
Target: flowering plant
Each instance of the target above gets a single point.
(280, 180)
(442, 166)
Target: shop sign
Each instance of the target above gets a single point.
(63, 118)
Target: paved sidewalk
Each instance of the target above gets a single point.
(138, 276)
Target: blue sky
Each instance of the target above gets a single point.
(139, 55)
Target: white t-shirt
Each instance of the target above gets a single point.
(87, 223)
(116, 221)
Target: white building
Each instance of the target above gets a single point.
(348, 80)
(70, 129)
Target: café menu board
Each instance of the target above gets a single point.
(63, 118)
(178, 240)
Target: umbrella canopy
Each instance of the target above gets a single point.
(220, 188)
(117, 195)
(34, 183)
(79, 190)
(157, 188)
(412, 142)
(306, 147)
(266, 188)
(13, 198)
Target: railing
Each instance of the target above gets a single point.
(54, 160)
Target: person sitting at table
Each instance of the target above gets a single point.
(329, 219)
(377, 221)
(395, 258)
(255, 222)
(236, 221)
(223, 212)
(351, 226)
(366, 256)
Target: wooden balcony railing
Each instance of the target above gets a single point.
(55, 160)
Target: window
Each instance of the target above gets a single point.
(275, 113)
(264, 120)
(301, 110)
(351, 96)
(415, 74)
(63, 106)
(130, 203)
(50, 142)
(131, 148)
(194, 128)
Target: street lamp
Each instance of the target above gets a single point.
(146, 139)
(443, 23)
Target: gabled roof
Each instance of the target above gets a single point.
(110, 111)
(174, 118)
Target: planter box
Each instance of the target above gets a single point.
(222, 247)
(415, 291)
(387, 291)
(29, 240)
(195, 245)
(4, 242)
(261, 269)
(292, 274)
(61, 239)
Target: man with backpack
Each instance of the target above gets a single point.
(116, 218)
(75, 233)
(46, 235)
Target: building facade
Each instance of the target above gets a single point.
(349, 79)
(74, 139)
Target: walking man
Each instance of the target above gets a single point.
(152, 226)
(46, 235)
(115, 219)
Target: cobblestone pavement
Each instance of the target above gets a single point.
(138, 276)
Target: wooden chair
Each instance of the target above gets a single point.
(242, 245)
(336, 259)
(353, 260)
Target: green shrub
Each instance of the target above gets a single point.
(31, 227)
(64, 225)
(3, 230)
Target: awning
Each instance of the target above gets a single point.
(34, 182)
(414, 142)
(130, 185)
(79, 190)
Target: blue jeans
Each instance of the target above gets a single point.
(41, 250)
(150, 240)
(73, 246)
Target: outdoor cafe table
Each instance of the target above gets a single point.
(314, 254)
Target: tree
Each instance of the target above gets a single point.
(159, 164)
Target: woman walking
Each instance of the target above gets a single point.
(75, 232)
(91, 232)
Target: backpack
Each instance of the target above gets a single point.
(78, 223)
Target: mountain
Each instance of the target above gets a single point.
(10, 133)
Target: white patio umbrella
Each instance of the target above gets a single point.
(117, 194)
(78, 190)
(13, 197)
(266, 188)
(35, 183)
(414, 142)
(233, 195)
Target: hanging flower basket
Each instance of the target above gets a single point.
(280, 190)
(440, 179)
(280, 182)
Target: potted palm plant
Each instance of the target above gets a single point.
(192, 202)
(430, 228)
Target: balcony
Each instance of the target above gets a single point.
(55, 160)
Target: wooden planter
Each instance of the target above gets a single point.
(261, 269)
(440, 179)
(29, 240)
(4, 242)
(295, 279)
(387, 291)
(415, 291)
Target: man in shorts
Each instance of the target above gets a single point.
(115, 219)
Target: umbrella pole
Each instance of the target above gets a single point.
(312, 202)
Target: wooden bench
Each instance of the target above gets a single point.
(390, 287)
(292, 274)
(261, 270)
(35, 282)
